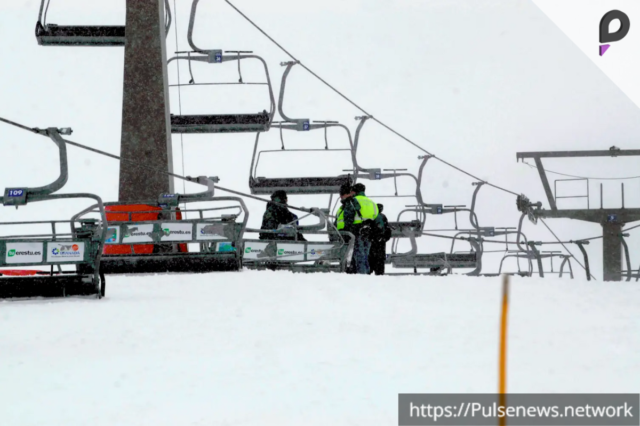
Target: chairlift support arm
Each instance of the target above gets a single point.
(21, 196)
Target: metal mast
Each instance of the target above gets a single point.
(146, 133)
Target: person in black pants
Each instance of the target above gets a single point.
(378, 252)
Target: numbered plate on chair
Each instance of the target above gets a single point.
(15, 197)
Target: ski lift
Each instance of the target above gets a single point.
(80, 248)
(434, 261)
(300, 256)
(413, 229)
(537, 256)
(295, 185)
(221, 123)
(154, 236)
(437, 262)
(298, 185)
(83, 35)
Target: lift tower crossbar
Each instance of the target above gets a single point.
(611, 219)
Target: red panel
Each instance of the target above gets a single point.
(17, 272)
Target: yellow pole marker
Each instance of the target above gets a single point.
(502, 421)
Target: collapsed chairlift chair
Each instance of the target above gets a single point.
(81, 248)
(220, 123)
(300, 256)
(153, 236)
(298, 185)
(531, 253)
(537, 256)
(83, 35)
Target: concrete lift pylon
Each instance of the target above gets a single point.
(145, 146)
(611, 219)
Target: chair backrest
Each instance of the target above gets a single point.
(127, 213)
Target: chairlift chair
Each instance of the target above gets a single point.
(81, 248)
(260, 185)
(82, 35)
(300, 256)
(220, 123)
(299, 185)
(437, 261)
(414, 229)
(537, 256)
(152, 236)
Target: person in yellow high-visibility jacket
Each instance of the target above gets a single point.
(357, 215)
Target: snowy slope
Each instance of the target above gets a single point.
(278, 348)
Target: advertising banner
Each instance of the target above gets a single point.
(65, 252)
(24, 253)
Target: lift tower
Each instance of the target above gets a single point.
(145, 146)
(611, 219)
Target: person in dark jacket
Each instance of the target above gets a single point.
(278, 214)
(378, 252)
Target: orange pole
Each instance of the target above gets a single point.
(502, 421)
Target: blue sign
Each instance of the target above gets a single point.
(612, 218)
(16, 193)
(377, 175)
(305, 125)
(438, 210)
(218, 57)
(226, 247)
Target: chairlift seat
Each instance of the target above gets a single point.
(65, 35)
(436, 260)
(143, 238)
(229, 123)
(298, 185)
(46, 286)
(169, 262)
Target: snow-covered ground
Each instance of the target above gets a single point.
(278, 348)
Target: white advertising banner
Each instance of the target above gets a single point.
(24, 253)
(290, 252)
(253, 249)
(318, 251)
(177, 232)
(137, 234)
(65, 252)
(210, 231)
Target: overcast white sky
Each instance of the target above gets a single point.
(471, 81)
